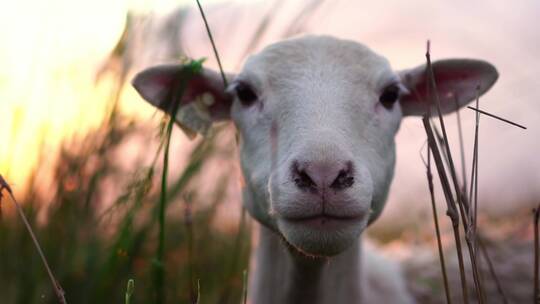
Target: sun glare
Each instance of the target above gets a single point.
(48, 60)
(51, 51)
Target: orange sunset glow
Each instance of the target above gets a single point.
(51, 53)
(51, 56)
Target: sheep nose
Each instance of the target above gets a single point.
(316, 176)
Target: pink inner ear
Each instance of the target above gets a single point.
(197, 86)
(450, 82)
(200, 85)
(163, 80)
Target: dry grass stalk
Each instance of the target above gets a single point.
(56, 285)
(437, 103)
(451, 210)
(463, 208)
(485, 255)
(188, 220)
(474, 187)
(461, 147)
(474, 214)
(536, 218)
(437, 229)
(477, 238)
(440, 141)
(498, 117)
(473, 169)
(209, 32)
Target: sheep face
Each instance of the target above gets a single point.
(316, 118)
(317, 144)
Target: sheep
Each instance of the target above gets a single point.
(316, 119)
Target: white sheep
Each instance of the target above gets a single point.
(316, 118)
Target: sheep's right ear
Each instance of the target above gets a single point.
(198, 94)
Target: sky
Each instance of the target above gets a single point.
(51, 51)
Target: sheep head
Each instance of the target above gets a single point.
(317, 117)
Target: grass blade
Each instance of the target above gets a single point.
(57, 288)
(437, 229)
(463, 206)
(225, 83)
(244, 287)
(498, 117)
(191, 69)
(188, 218)
(198, 300)
(451, 211)
(159, 267)
(484, 252)
(129, 291)
(474, 214)
(461, 148)
(536, 218)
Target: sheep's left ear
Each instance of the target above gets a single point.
(456, 79)
(198, 94)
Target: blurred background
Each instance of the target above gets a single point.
(82, 151)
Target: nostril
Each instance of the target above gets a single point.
(302, 180)
(345, 179)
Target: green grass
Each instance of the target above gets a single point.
(94, 253)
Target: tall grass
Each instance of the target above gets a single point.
(536, 288)
(129, 291)
(56, 285)
(460, 205)
(190, 70)
(95, 249)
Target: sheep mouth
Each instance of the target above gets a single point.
(326, 217)
(322, 234)
(326, 221)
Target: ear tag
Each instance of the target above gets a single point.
(194, 117)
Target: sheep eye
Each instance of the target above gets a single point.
(389, 96)
(245, 93)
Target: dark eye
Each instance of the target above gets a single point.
(245, 93)
(389, 96)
